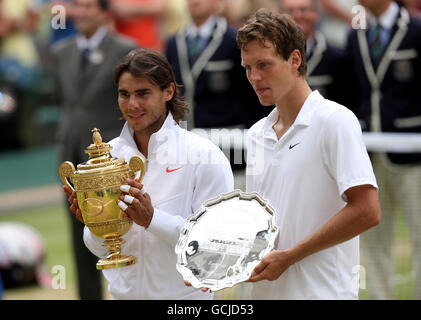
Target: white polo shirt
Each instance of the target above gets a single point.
(304, 176)
(183, 171)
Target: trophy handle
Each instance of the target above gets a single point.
(137, 163)
(66, 170)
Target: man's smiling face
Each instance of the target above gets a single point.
(143, 103)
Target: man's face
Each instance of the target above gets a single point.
(202, 8)
(142, 103)
(303, 12)
(271, 76)
(88, 16)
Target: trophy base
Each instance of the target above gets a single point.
(115, 262)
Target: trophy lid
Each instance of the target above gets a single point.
(99, 154)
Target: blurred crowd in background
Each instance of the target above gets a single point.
(26, 35)
(45, 99)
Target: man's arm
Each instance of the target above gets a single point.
(360, 214)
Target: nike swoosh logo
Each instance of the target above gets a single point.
(293, 145)
(171, 170)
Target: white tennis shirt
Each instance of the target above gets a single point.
(304, 176)
(184, 171)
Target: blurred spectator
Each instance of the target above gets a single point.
(83, 70)
(237, 11)
(413, 6)
(140, 20)
(325, 63)
(386, 61)
(22, 256)
(18, 54)
(9, 117)
(335, 20)
(207, 62)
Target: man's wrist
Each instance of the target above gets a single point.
(296, 253)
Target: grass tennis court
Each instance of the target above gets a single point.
(53, 223)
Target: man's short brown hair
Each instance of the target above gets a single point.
(154, 67)
(279, 29)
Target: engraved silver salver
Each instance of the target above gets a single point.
(225, 239)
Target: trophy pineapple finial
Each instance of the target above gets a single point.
(96, 136)
(98, 149)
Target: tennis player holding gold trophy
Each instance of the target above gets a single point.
(97, 184)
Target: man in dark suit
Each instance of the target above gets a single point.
(207, 62)
(325, 63)
(386, 62)
(82, 67)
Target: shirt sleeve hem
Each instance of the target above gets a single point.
(359, 182)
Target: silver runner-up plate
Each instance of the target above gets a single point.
(225, 239)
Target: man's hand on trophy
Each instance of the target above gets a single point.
(74, 207)
(136, 203)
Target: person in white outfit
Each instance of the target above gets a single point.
(308, 159)
(183, 171)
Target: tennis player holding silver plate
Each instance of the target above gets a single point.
(223, 241)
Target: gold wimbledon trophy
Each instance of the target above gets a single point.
(97, 183)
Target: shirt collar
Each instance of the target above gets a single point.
(308, 108)
(93, 42)
(156, 138)
(205, 30)
(304, 115)
(388, 18)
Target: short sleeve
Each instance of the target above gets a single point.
(344, 152)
